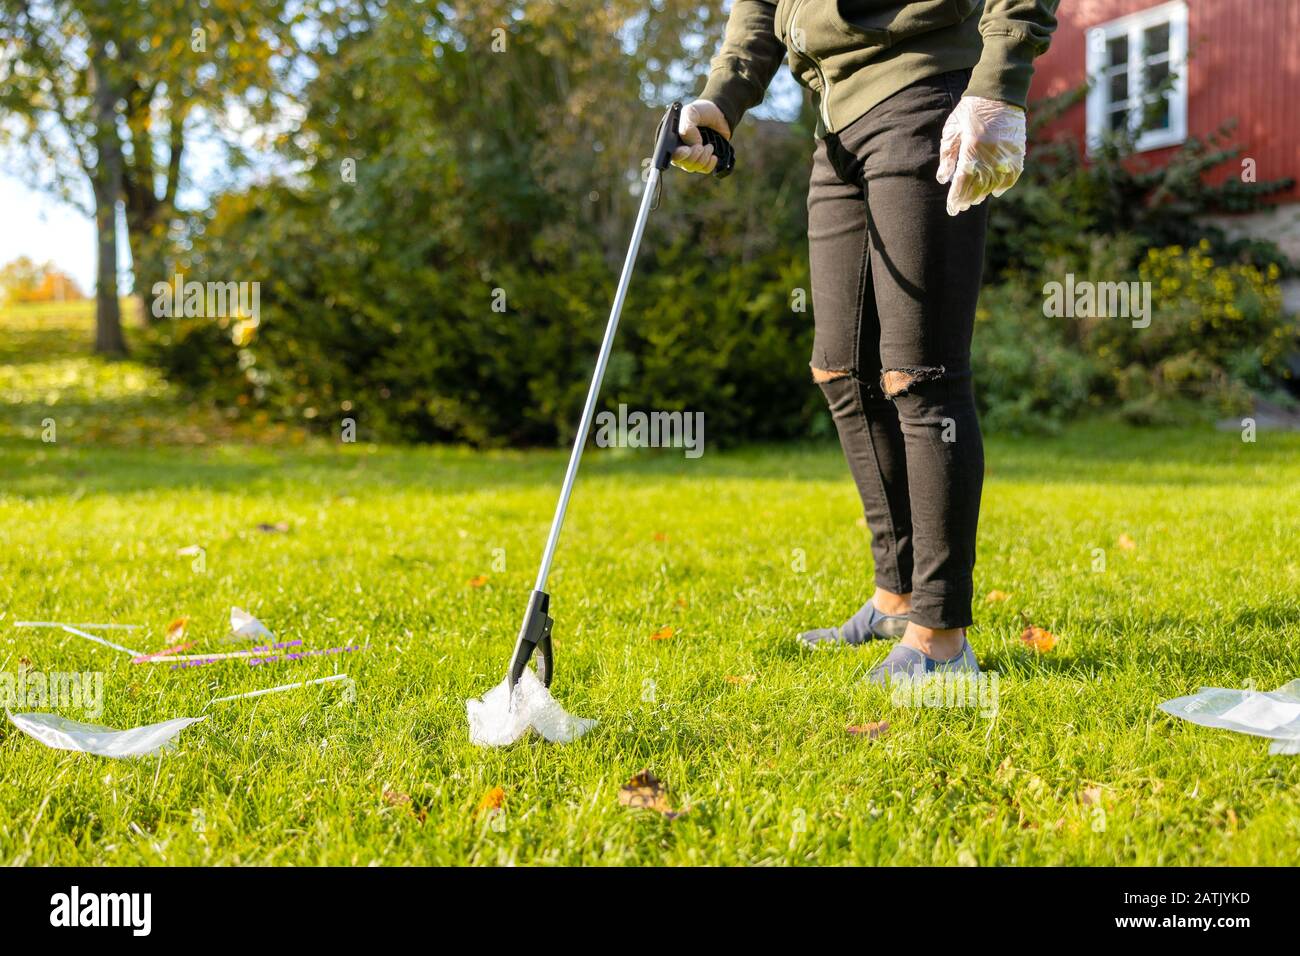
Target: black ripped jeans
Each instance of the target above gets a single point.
(895, 280)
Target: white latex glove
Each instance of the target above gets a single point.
(695, 157)
(982, 151)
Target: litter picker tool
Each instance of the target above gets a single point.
(535, 633)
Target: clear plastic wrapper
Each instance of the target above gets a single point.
(493, 722)
(59, 733)
(1273, 714)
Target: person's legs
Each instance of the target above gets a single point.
(892, 350)
(926, 268)
(845, 340)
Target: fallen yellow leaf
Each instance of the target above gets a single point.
(396, 798)
(646, 792)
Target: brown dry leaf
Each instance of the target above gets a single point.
(280, 527)
(1232, 818)
(492, 800)
(662, 634)
(870, 731)
(1037, 638)
(1090, 796)
(24, 662)
(396, 798)
(1126, 543)
(740, 678)
(997, 597)
(176, 630)
(645, 791)
(681, 602)
(478, 580)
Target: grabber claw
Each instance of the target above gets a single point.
(534, 634)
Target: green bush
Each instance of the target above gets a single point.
(1216, 331)
(424, 355)
(1029, 376)
(1066, 200)
(458, 289)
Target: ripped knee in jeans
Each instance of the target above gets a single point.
(895, 382)
(823, 375)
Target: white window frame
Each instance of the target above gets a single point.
(1132, 27)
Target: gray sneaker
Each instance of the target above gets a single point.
(868, 624)
(908, 662)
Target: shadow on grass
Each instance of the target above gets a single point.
(1168, 654)
(1085, 457)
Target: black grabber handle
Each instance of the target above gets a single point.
(669, 139)
(534, 635)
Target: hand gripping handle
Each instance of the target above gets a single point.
(669, 139)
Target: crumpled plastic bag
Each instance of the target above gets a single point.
(59, 733)
(494, 723)
(1273, 714)
(244, 625)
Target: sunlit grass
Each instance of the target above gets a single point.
(735, 552)
(50, 380)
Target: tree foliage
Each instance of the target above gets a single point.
(108, 94)
(442, 263)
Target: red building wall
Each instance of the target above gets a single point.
(1244, 64)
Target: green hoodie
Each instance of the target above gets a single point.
(854, 53)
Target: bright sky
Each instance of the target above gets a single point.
(35, 224)
(38, 226)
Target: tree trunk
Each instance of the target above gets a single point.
(148, 215)
(106, 180)
(108, 313)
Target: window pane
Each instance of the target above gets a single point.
(1117, 120)
(1118, 87)
(1155, 40)
(1156, 115)
(1156, 75)
(1117, 50)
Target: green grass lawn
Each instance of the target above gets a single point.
(735, 552)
